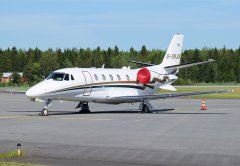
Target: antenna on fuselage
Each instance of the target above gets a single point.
(103, 66)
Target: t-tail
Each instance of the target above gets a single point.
(172, 58)
(171, 61)
(173, 54)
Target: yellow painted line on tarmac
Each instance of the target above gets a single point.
(85, 119)
(15, 117)
(29, 117)
(19, 117)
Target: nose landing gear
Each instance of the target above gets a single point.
(44, 111)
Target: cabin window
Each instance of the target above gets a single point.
(111, 77)
(56, 76)
(103, 77)
(72, 78)
(96, 77)
(127, 76)
(66, 78)
(118, 77)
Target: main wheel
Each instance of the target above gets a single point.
(85, 109)
(145, 109)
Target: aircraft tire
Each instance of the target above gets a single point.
(44, 112)
(85, 111)
(145, 109)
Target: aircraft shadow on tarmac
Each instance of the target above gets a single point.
(129, 111)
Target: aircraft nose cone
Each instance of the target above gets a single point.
(32, 93)
(37, 90)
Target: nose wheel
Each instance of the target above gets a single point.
(45, 111)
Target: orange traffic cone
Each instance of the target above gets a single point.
(203, 105)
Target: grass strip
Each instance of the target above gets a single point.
(17, 164)
(12, 154)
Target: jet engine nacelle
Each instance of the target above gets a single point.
(144, 76)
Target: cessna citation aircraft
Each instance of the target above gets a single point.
(115, 86)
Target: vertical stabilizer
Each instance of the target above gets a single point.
(173, 54)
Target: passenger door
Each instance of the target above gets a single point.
(88, 82)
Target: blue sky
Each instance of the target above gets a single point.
(125, 23)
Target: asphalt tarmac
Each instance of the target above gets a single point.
(178, 133)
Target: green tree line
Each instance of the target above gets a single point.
(36, 64)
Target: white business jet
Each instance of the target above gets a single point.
(115, 86)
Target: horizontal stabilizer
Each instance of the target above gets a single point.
(141, 63)
(188, 65)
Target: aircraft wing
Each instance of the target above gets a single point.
(12, 92)
(163, 96)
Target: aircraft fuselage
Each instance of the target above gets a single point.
(94, 84)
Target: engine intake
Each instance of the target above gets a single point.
(143, 76)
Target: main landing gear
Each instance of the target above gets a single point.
(84, 107)
(44, 111)
(145, 107)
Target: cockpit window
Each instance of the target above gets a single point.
(66, 78)
(56, 76)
